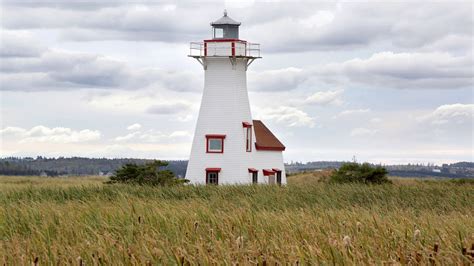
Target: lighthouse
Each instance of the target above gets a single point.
(228, 146)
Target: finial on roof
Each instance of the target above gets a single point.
(225, 20)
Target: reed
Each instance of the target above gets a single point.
(82, 221)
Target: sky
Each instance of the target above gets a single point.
(385, 81)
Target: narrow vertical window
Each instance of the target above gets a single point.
(249, 139)
(254, 175)
(278, 175)
(248, 136)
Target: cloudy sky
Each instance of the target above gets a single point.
(388, 82)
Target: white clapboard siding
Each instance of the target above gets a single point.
(224, 106)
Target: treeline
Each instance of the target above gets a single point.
(102, 166)
(453, 170)
(407, 173)
(75, 166)
(460, 164)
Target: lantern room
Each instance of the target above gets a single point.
(225, 28)
(225, 42)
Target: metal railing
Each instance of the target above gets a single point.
(253, 49)
(200, 49)
(196, 49)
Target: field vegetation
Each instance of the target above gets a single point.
(84, 221)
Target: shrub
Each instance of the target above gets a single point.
(147, 174)
(360, 173)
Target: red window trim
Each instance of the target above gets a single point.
(268, 172)
(248, 128)
(214, 136)
(276, 169)
(213, 169)
(263, 148)
(246, 124)
(253, 170)
(248, 139)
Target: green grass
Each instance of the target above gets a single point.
(76, 219)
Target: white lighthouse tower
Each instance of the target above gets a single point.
(228, 146)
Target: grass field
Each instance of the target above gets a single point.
(80, 220)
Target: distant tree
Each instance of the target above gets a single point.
(360, 173)
(146, 174)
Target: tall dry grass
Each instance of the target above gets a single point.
(60, 221)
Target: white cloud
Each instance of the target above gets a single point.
(452, 43)
(382, 70)
(185, 118)
(12, 131)
(286, 115)
(112, 21)
(325, 98)
(153, 136)
(352, 112)
(135, 126)
(144, 101)
(362, 132)
(452, 114)
(180, 133)
(375, 120)
(53, 69)
(277, 79)
(50, 135)
(346, 25)
(129, 136)
(406, 70)
(282, 26)
(169, 108)
(19, 44)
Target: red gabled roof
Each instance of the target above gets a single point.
(264, 138)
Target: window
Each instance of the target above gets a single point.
(249, 139)
(254, 174)
(255, 177)
(248, 136)
(212, 175)
(218, 33)
(278, 175)
(212, 178)
(215, 143)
